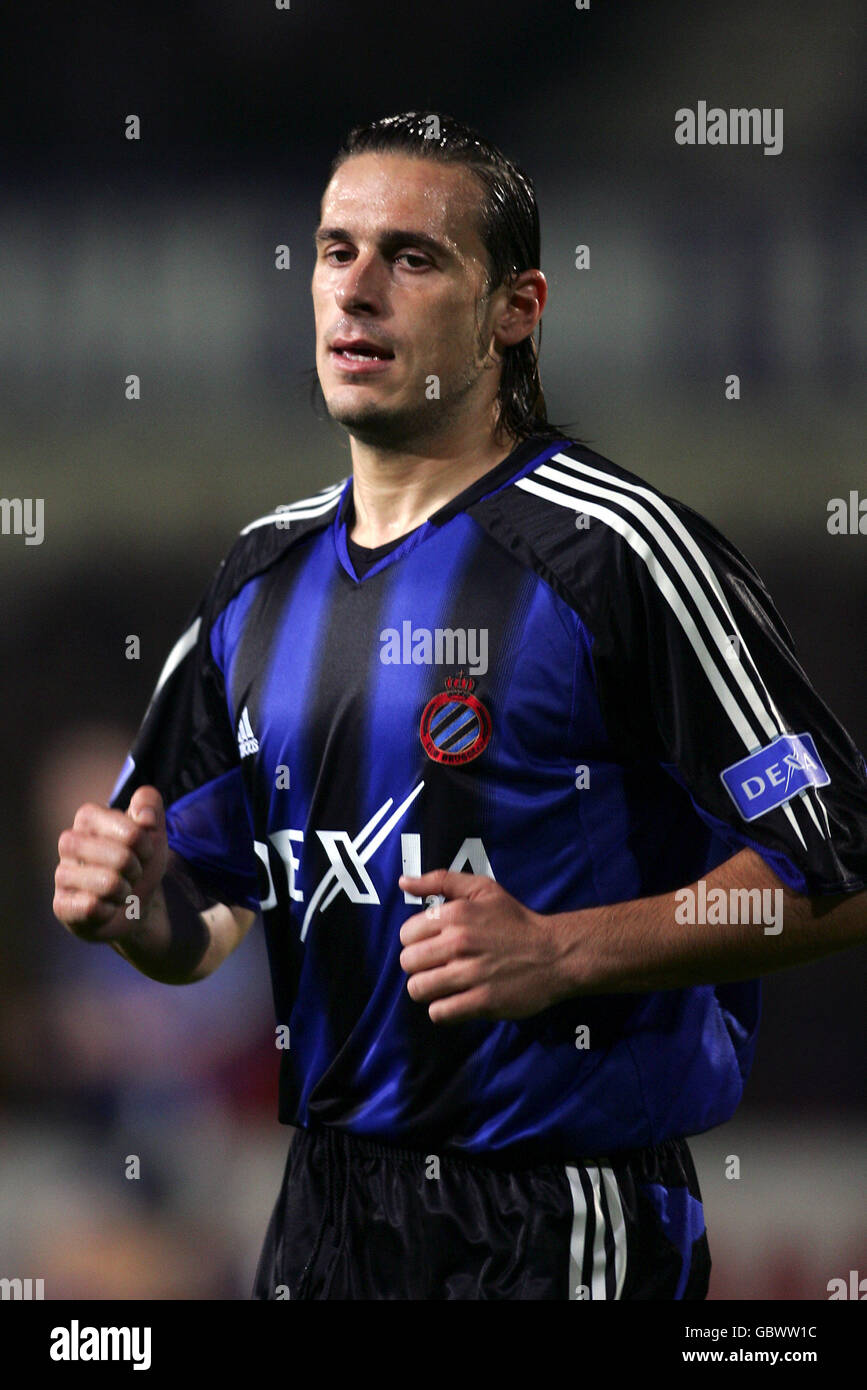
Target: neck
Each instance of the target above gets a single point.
(395, 490)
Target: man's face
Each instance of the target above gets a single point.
(400, 268)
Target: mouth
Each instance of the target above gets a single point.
(360, 350)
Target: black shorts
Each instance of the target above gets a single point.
(359, 1220)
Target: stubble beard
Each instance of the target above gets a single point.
(409, 425)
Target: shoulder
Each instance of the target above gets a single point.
(600, 535)
(267, 538)
(575, 493)
(616, 548)
(305, 514)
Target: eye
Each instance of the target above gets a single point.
(337, 251)
(421, 261)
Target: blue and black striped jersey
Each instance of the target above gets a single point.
(562, 679)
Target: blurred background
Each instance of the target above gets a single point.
(156, 257)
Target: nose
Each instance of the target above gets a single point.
(360, 286)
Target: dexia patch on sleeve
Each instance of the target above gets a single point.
(774, 774)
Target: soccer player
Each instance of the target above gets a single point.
(513, 756)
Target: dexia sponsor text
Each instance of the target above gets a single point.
(76, 1343)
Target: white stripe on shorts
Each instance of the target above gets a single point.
(599, 1177)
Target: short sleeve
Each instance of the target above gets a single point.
(186, 747)
(697, 670)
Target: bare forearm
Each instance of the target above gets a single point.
(484, 955)
(651, 944)
(173, 941)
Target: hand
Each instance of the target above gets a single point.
(478, 954)
(106, 856)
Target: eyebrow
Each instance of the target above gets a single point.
(388, 240)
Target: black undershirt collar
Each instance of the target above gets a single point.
(364, 557)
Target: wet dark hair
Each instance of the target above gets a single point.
(509, 231)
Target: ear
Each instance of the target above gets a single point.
(523, 302)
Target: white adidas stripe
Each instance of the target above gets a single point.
(184, 644)
(618, 1228)
(638, 543)
(615, 1224)
(597, 1267)
(576, 1238)
(772, 726)
(315, 506)
(772, 722)
(578, 500)
(301, 510)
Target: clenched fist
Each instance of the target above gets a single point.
(105, 857)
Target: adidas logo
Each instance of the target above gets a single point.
(247, 740)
